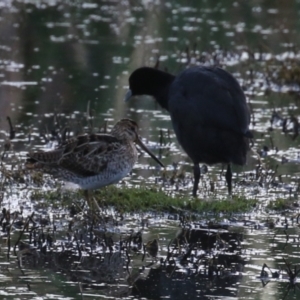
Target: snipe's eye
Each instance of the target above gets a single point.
(132, 128)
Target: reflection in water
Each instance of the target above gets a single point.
(199, 261)
(56, 57)
(89, 256)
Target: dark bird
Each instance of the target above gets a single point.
(209, 113)
(93, 160)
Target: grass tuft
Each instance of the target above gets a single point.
(127, 199)
(282, 204)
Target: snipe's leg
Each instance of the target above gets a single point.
(196, 178)
(228, 177)
(87, 197)
(91, 201)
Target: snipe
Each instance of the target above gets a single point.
(93, 160)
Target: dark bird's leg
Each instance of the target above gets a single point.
(196, 178)
(228, 177)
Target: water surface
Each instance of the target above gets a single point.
(61, 60)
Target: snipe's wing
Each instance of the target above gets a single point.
(84, 155)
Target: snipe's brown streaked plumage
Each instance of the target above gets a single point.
(93, 160)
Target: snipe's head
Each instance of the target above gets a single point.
(127, 130)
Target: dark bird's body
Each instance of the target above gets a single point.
(209, 113)
(93, 160)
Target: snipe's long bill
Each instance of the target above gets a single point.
(93, 160)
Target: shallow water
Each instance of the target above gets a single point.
(60, 60)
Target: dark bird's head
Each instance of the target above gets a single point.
(152, 82)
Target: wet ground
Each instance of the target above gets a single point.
(66, 66)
